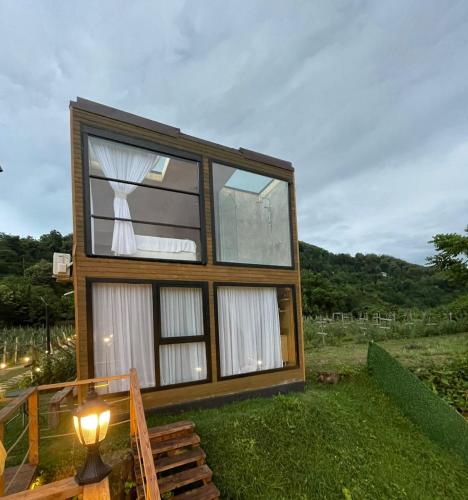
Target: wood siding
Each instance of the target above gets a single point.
(96, 267)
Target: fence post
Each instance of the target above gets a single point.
(33, 412)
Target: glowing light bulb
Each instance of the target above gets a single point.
(198, 369)
(37, 369)
(3, 366)
(27, 359)
(106, 340)
(259, 362)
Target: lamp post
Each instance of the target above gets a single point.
(91, 421)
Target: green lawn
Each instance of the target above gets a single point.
(330, 442)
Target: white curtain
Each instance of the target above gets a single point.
(182, 316)
(181, 312)
(127, 163)
(123, 333)
(249, 330)
(182, 363)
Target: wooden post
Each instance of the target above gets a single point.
(133, 424)
(2, 436)
(16, 350)
(97, 490)
(33, 410)
(4, 350)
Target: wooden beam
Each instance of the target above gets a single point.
(33, 416)
(48, 387)
(58, 490)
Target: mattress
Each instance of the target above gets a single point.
(154, 247)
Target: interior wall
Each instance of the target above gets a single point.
(255, 228)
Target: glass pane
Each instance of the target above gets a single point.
(287, 326)
(120, 161)
(144, 204)
(181, 363)
(251, 217)
(119, 309)
(249, 330)
(151, 242)
(181, 312)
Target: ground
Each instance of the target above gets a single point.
(330, 442)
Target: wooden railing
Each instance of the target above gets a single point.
(67, 488)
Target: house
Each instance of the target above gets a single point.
(185, 261)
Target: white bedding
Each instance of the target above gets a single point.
(154, 247)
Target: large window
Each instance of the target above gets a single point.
(252, 218)
(158, 329)
(142, 204)
(256, 329)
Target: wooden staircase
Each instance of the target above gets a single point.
(179, 462)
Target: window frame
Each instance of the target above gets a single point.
(88, 131)
(158, 340)
(293, 287)
(211, 162)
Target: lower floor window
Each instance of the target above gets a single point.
(256, 329)
(161, 330)
(132, 322)
(123, 332)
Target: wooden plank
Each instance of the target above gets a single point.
(33, 417)
(58, 490)
(205, 492)
(12, 406)
(97, 490)
(174, 481)
(190, 456)
(22, 480)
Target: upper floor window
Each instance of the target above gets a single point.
(252, 217)
(143, 204)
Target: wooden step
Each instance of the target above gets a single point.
(174, 481)
(205, 492)
(166, 463)
(188, 457)
(163, 432)
(175, 444)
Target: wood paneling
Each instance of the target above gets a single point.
(99, 267)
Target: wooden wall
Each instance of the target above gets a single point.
(84, 266)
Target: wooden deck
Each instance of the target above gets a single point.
(22, 481)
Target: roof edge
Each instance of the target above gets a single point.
(162, 128)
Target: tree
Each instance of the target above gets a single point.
(452, 256)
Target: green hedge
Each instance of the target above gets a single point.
(435, 417)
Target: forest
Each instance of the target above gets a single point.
(330, 283)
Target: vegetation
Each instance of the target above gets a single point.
(369, 283)
(451, 256)
(26, 280)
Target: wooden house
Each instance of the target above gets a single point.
(185, 261)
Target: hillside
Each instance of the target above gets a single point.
(340, 282)
(330, 283)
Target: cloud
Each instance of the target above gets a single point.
(367, 99)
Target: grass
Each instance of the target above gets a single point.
(412, 353)
(330, 442)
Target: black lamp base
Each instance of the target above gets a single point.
(94, 469)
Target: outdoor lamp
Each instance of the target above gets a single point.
(91, 421)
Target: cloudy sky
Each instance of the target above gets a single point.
(368, 99)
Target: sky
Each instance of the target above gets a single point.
(369, 100)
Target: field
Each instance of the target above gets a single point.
(330, 442)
